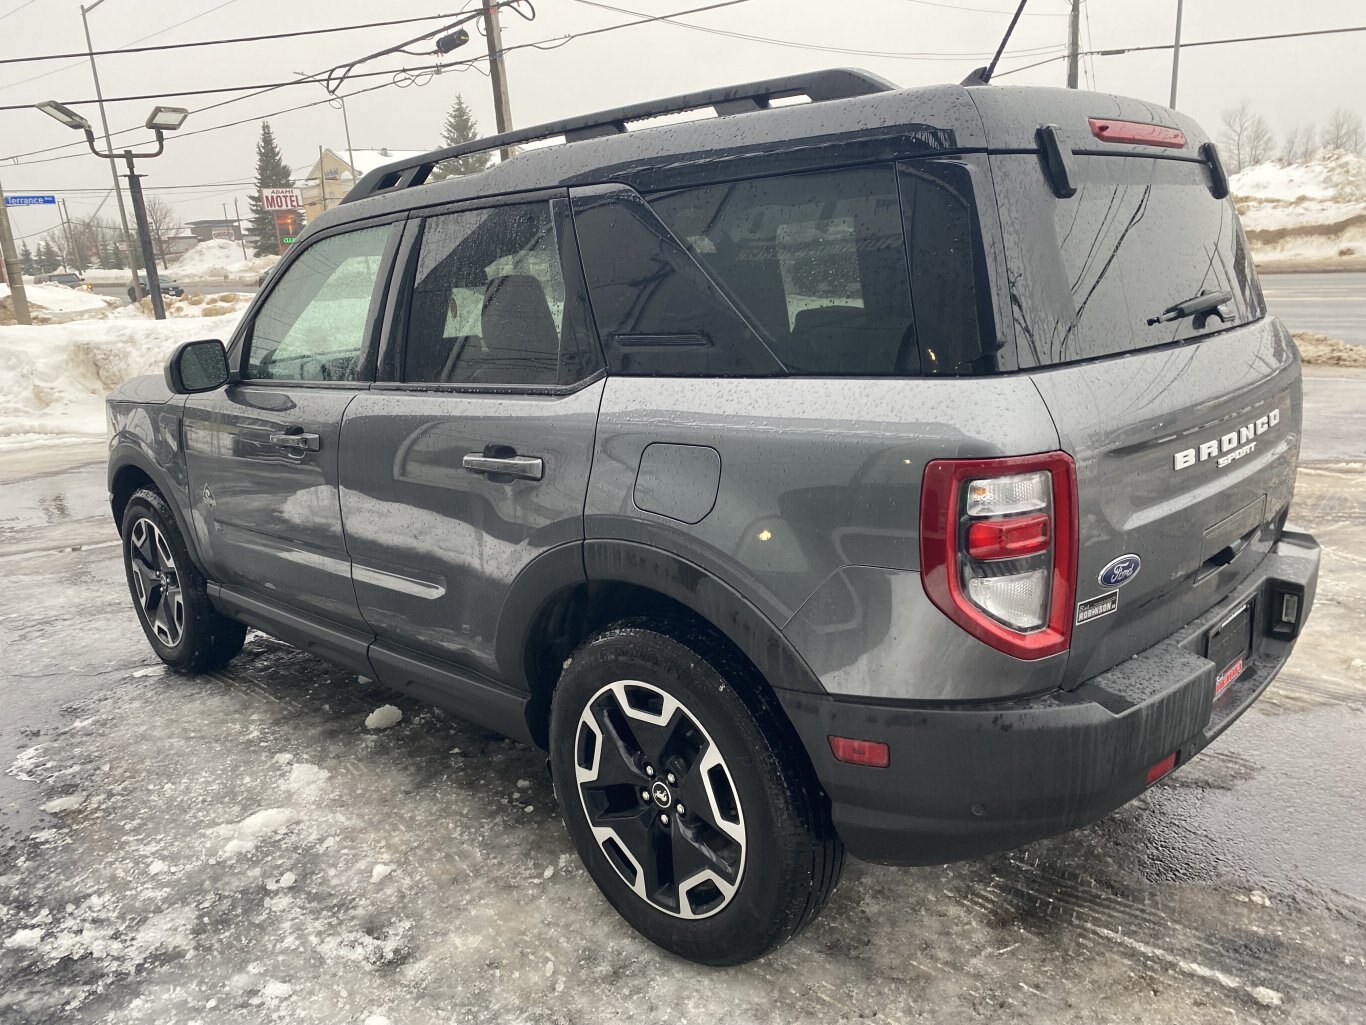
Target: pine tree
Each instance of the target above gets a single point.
(46, 258)
(460, 127)
(27, 264)
(271, 173)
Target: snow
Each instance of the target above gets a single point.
(1311, 211)
(61, 804)
(53, 378)
(243, 836)
(24, 939)
(220, 260)
(383, 717)
(380, 872)
(60, 299)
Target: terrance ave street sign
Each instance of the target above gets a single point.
(30, 201)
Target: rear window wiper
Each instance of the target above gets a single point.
(1198, 306)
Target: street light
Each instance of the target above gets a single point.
(160, 121)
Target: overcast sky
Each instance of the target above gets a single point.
(1289, 81)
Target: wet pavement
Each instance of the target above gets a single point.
(239, 848)
(1333, 304)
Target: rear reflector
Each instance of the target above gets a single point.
(1162, 768)
(1009, 538)
(1137, 133)
(872, 753)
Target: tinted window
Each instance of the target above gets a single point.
(657, 312)
(312, 326)
(1087, 273)
(817, 261)
(489, 304)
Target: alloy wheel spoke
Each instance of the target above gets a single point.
(692, 855)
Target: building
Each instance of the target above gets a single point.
(332, 176)
(215, 227)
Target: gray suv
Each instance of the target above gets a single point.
(903, 472)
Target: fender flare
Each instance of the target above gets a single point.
(125, 454)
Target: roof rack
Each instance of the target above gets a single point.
(818, 86)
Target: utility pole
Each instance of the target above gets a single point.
(149, 260)
(1073, 44)
(71, 238)
(322, 179)
(104, 123)
(237, 212)
(502, 108)
(14, 273)
(1176, 54)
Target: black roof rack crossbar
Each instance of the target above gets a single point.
(834, 84)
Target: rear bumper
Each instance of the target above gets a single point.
(972, 779)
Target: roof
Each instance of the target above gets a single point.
(363, 161)
(892, 124)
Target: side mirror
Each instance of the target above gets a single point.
(197, 367)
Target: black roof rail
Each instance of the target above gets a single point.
(817, 86)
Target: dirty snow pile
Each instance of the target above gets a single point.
(55, 302)
(53, 378)
(1320, 350)
(195, 304)
(220, 260)
(1312, 211)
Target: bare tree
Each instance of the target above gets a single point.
(1246, 138)
(1290, 146)
(1344, 131)
(163, 223)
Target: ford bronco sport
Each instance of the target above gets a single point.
(904, 471)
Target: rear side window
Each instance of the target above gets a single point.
(816, 261)
(489, 302)
(1087, 273)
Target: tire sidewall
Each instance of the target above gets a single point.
(151, 506)
(753, 921)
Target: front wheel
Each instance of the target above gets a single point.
(686, 795)
(169, 592)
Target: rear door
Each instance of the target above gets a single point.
(469, 460)
(1185, 431)
(262, 453)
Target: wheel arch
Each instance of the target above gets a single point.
(599, 582)
(129, 470)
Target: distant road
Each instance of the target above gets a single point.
(121, 291)
(1331, 304)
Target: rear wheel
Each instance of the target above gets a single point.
(691, 805)
(169, 592)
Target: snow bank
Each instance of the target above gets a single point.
(53, 378)
(1313, 211)
(220, 260)
(64, 302)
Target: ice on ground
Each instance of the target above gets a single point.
(380, 872)
(24, 939)
(64, 804)
(53, 378)
(243, 836)
(383, 717)
(306, 778)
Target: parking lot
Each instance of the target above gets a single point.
(239, 847)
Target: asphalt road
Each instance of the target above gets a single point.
(210, 288)
(238, 847)
(1331, 304)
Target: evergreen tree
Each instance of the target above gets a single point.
(47, 258)
(271, 173)
(460, 127)
(109, 259)
(27, 264)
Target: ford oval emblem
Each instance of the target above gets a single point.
(1120, 571)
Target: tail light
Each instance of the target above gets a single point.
(998, 548)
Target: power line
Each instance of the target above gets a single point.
(83, 55)
(1184, 45)
(927, 56)
(989, 10)
(16, 10)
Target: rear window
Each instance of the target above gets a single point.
(817, 262)
(1087, 273)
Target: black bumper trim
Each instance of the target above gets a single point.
(976, 778)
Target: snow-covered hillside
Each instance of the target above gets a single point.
(219, 260)
(1302, 213)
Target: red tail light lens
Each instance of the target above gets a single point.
(998, 549)
(1137, 133)
(1010, 538)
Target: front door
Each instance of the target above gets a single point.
(262, 452)
(473, 462)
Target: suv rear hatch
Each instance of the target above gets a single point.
(1185, 429)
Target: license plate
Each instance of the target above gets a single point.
(1229, 646)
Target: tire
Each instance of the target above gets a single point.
(751, 857)
(169, 592)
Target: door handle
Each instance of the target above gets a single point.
(526, 467)
(296, 442)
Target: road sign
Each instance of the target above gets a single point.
(287, 241)
(30, 201)
(282, 199)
